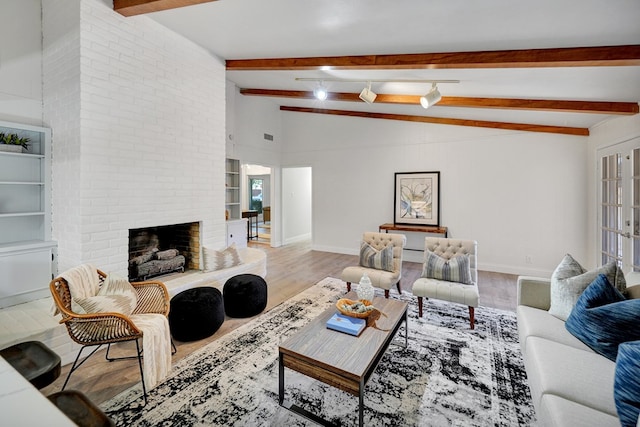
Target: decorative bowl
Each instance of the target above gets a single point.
(340, 305)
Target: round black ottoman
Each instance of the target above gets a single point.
(245, 295)
(196, 313)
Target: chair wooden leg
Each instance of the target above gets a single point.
(386, 293)
(472, 317)
(348, 286)
(398, 285)
(419, 306)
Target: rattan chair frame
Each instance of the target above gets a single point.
(98, 329)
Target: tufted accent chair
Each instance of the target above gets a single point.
(379, 278)
(450, 291)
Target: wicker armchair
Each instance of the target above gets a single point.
(97, 329)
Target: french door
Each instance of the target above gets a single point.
(619, 213)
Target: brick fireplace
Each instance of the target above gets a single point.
(159, 250)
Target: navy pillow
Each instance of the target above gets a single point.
(602, 318)
(626, 385)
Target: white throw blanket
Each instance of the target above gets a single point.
(156, 347)
(84, 282)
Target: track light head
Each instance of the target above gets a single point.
(320, 92)
(367, 94)
(431, 98)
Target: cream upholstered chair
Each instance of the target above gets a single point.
(447, 290)
(380, 278)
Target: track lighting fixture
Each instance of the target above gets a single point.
(320, 92)
(431, 98)
(367, 94)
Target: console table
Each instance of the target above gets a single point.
(414, 228)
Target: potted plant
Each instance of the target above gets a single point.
(12, 142)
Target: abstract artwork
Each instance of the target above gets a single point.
(417, 198)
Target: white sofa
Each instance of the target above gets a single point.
(571, 385)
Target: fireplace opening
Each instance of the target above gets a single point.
(154, 251)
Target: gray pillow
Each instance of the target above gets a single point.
(381, 259)
(457, 269)
(570, 279)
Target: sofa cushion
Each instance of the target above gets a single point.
(569, 280)
(556, 411)
(626, 387)
(534, 322)
(457, 269)
(382, 259)
(603, 318)
(582, 376)
(218, 260)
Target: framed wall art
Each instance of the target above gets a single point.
(417, 198)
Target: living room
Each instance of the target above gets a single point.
(143, 120)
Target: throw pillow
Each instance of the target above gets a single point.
(603, 319)
(633, 292)
(456, 269)
(626, 387)
(569, 280)
(217, 260)
(379, 259)
(116, 295)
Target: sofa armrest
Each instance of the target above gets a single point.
(534, 292)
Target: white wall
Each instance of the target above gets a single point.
(252, 118)
(138, 115)
(21, 62)
(518, 194)
(296, 204)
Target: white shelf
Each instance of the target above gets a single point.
(27, 155)
(15, 214)
(20, 183)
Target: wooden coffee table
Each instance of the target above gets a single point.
(338, 359)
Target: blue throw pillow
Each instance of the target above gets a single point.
(602, 318)
(626, 385)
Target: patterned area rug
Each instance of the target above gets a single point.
(448, 375)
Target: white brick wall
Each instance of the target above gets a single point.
(138, 115)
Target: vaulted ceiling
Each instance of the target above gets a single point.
(545, 66)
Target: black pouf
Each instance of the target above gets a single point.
(245, 295)
(196, 313)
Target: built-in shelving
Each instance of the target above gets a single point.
(232, 188)
(27, 253)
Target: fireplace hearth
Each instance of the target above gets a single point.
(155, 251)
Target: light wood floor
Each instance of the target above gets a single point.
(290, 270)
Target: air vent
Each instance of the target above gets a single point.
(268, 137)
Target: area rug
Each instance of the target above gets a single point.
(448, 376)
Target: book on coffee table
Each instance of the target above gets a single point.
(349, 325)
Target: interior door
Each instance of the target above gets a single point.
(619, 212)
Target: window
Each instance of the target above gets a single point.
(255, 187)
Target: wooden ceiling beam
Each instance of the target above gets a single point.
(596, 56)
(596, 107)
(445, 121)
(139, 7)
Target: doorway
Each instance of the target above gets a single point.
(619, 199)
(258, 183)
